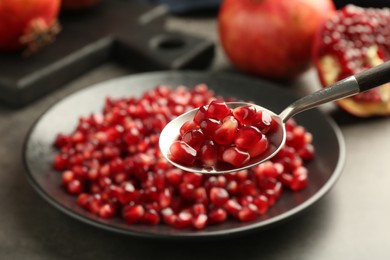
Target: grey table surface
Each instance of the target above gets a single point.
(350, 222)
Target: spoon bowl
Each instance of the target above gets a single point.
(347, 87)
(171, 132)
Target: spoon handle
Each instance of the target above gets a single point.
(349, 86)
(373, 77)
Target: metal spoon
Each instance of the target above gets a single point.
(350, 86)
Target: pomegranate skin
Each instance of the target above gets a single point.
(271, 38)
(16, 17)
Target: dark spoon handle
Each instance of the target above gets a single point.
(374, 77)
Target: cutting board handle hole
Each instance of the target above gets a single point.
(167, 43)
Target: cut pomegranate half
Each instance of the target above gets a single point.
(351, 41)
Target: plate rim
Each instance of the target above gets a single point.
(211, 234)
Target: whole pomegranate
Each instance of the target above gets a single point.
(271, 38)
(28, 23)
(353, 40)
(78, 4)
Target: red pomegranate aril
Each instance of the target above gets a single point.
(218, 196)
(200, 221)
(208, 154)
(245, 114)
(182, 153)
(67, 177)
(94, 204)
(217, 216)
(235, 156)
(61, 162)
(116, 158)
(247, 137)
(133, 213)
(194, 138)
(150, 217)
(174, 177)
(75, 187)
(183, 220)
(218, 109)
(260, 147)
(227, 132)
(83, 200)
(209, 126)
(188, 126)
(233, 207)
(248, 213)
(261, 203)
(107, 211)
(199, 209)
(307, 152)
(200, 115)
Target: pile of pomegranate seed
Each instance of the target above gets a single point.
(112, 163)
(218, 134)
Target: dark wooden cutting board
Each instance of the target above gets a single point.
(125, 31)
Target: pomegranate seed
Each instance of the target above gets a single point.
(168, 216)
(75, 187)
(218, 196)
(133, 214)
(83, 200)
(107, 211)
(233, 207)
(150, 217)
(199, 209)
(263, 121)
(184, 219)
(247, 137)
(188, 126)
(182, 153)
(216, 216)
(245, 114)
(261, 203)
(208, 154)
(227, 132)
(194, 138)
(67, 177)
(235, 156)
(218, 109)
(248, 213)
(209, 126)
(200, 115)
(174, 177)
(260, 147)
(307, 152)
(200, 221)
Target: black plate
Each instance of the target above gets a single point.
(63, 117)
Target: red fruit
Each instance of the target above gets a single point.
(248, 213)
(209, 126)
(200, 115)
(182, 153)
(271, 38)
(218, 109)
(188, 126)
(78, 4)
(263, 121)
(216, 216)
(30, 24)
(245, 114)
(194, 138)
(235, 156)
(208, 154)
(233, 207)
(184, 219)
(200, 221)
(227, 132)
(259, 147)
(218, 196)
(107, 211)
(247, 137)
(133, 214)
(75, 187)
(349, 42)
(150, 217)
